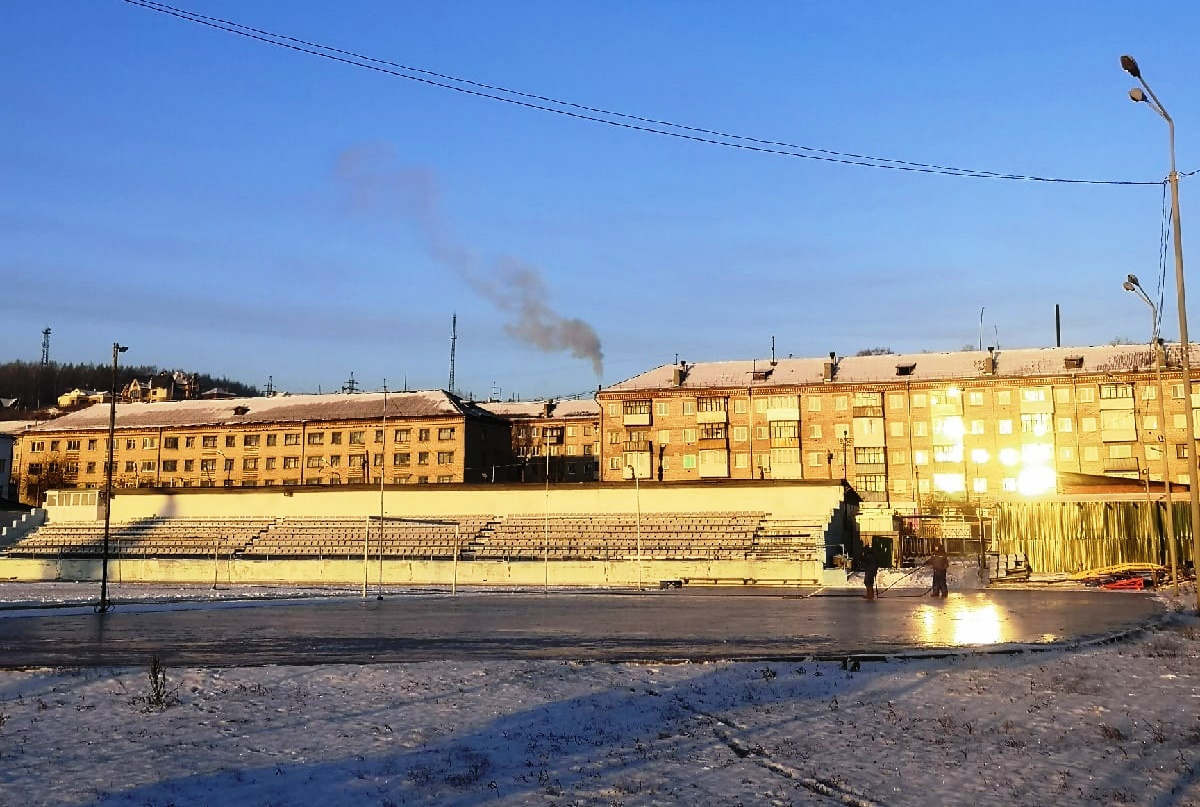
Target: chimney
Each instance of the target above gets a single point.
(678, 374)
(830, 368)
(989, 364)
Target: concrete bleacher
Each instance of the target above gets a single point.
(607, 536)
(349, 537)
(156, 537)
(715, 535)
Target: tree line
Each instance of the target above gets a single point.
(37, 388)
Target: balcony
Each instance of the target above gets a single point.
(712, 417)
(785, 442)
(868, 411)
(635, 446)
(1121, 465)
(712, 443)
(642, 419)
(788, 413)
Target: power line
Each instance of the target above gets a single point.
(597, 114)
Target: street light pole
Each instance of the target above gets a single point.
(1132, 284)
(1130, 65)
(103, 606)
(637, 492)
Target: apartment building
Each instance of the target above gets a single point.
(555, 440)
(405, 438)
(959, 427)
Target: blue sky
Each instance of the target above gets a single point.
(232, 207)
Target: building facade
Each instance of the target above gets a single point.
(960, 428)
(397, 438)
(557, 441)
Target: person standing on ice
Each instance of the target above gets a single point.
(868, 564)
(939, 561)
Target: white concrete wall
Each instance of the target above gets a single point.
(350, 573)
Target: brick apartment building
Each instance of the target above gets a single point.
(902, 429)
(422, 437)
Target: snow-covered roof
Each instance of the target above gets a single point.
(892, 367)
(587, 408)
(279, 409)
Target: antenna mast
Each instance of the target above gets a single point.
(453, 339)
(45, 365)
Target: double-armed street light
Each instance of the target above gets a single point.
(1131, 284)
(103, 606)
(1143, 94)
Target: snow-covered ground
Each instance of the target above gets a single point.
(1107, 724)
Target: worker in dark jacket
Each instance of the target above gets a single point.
(868, 564)
(939, 561)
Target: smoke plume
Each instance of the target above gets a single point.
(373, 184)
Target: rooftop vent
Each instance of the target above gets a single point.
(240, 410)
(905, 369)
(1073, 362)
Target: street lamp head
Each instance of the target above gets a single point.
(1129, 286)
(1136, 95)
(1130, 66)
(1133, 279)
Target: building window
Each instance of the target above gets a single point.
(446, 433)
(1112, 392)
(249, 464)
(872, 483)
(92, 445)
(662, 408)
(401, 435)
(230, 441)
(1036, 423)
(870, 455)
(72, 445)
(291, 439)
(170, 443)
(228, 464)
(316, 438)
(664, 437)
(335, 438)
(314, 462)
(814, 404)
(208, 466)
(422, 458)
(189, 442)
(712, 431)
(1181, 451)
(899, 458)
(975, 398)
(1004, 427)
(272, 440)
(401, 460)
(841, 403)
(920, 458)
(270, 465)
(423, 435)
(740, 406)
(130, 444)
(445, 458)
(91, 467)
(130, 466)
(250, 440)
(919, 399)
(291, 463)
(188, 465)
(740, 434)
(689, 462)
(614, 463)
(689, 435)
(377, 460)
(1177, 391)
(1062, 395)
(977, 427)
(712, 404)
(920, 429)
